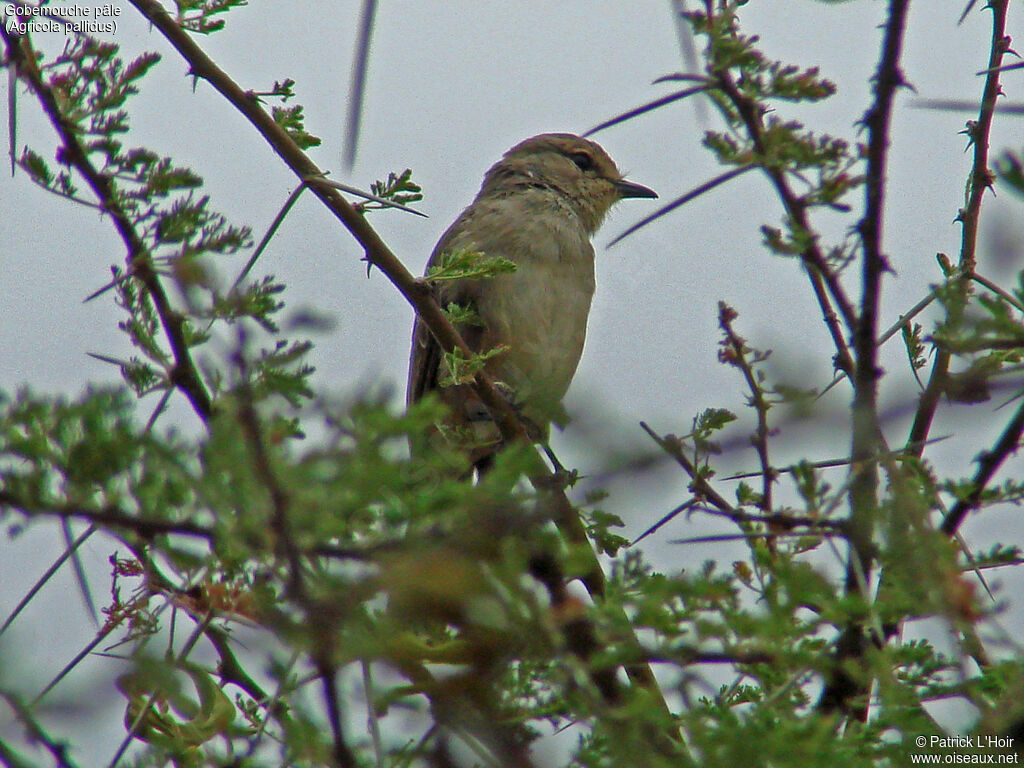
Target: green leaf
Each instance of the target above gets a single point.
(466, 264)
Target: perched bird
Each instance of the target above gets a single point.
(538, 207)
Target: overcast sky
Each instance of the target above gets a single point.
(453, 85)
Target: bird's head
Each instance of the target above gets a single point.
(577, 169)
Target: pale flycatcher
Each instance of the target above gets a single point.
(538, 207)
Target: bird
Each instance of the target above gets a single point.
(538, 207)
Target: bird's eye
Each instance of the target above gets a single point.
(583, 161)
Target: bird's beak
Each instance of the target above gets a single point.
(629, 189)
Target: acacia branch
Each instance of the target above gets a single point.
(979, 181)
(109, 516)
(184, 374)
(342, 753)
(734, 351)
(824, 281)
(701, 488)
(988, 465)
(845, 691)
(865, 444)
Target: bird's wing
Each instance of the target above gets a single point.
(426, 355)
(424, 363)
(425, 358)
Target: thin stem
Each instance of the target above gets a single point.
(844, 690)
(979, 181)
(825, 282)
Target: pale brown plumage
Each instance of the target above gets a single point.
(538, 207)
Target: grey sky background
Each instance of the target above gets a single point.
(453, 85)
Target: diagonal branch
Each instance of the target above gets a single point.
(828, 290)
(988, 465)
(415, 291)
(184, 375)
(358, 87)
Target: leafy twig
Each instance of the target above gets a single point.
(185, 374)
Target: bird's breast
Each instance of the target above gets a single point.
(540, 312)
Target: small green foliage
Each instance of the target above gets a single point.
(400, 189)
(912, 341)
(172, 720)
(293, 122)
(90, 83)
(66, 451)
(711, 420)
(801, 401)
(36, 167)
(787, 81)
(141, 377)
(282, 90)
(706, 424)
(745, 495)
(282, 371)
(988, 340)
(461, 315)
(599, 525)
(461, 370)
(142, 325)
(466, 264)
(813, 489)
(997, 554)
(259, 300)
(744, 84)
(795, 241)
(198, 15)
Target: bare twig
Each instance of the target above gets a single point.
(370, 196)
(682, 200)
(664, 520)
(41, 581)
(648, 107)
(57, 749)
(343, 755)
(979, 181)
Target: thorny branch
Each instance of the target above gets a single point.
(979, 181)
(842, 691)
(184, 374)
(734, 350)
(824, 281)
